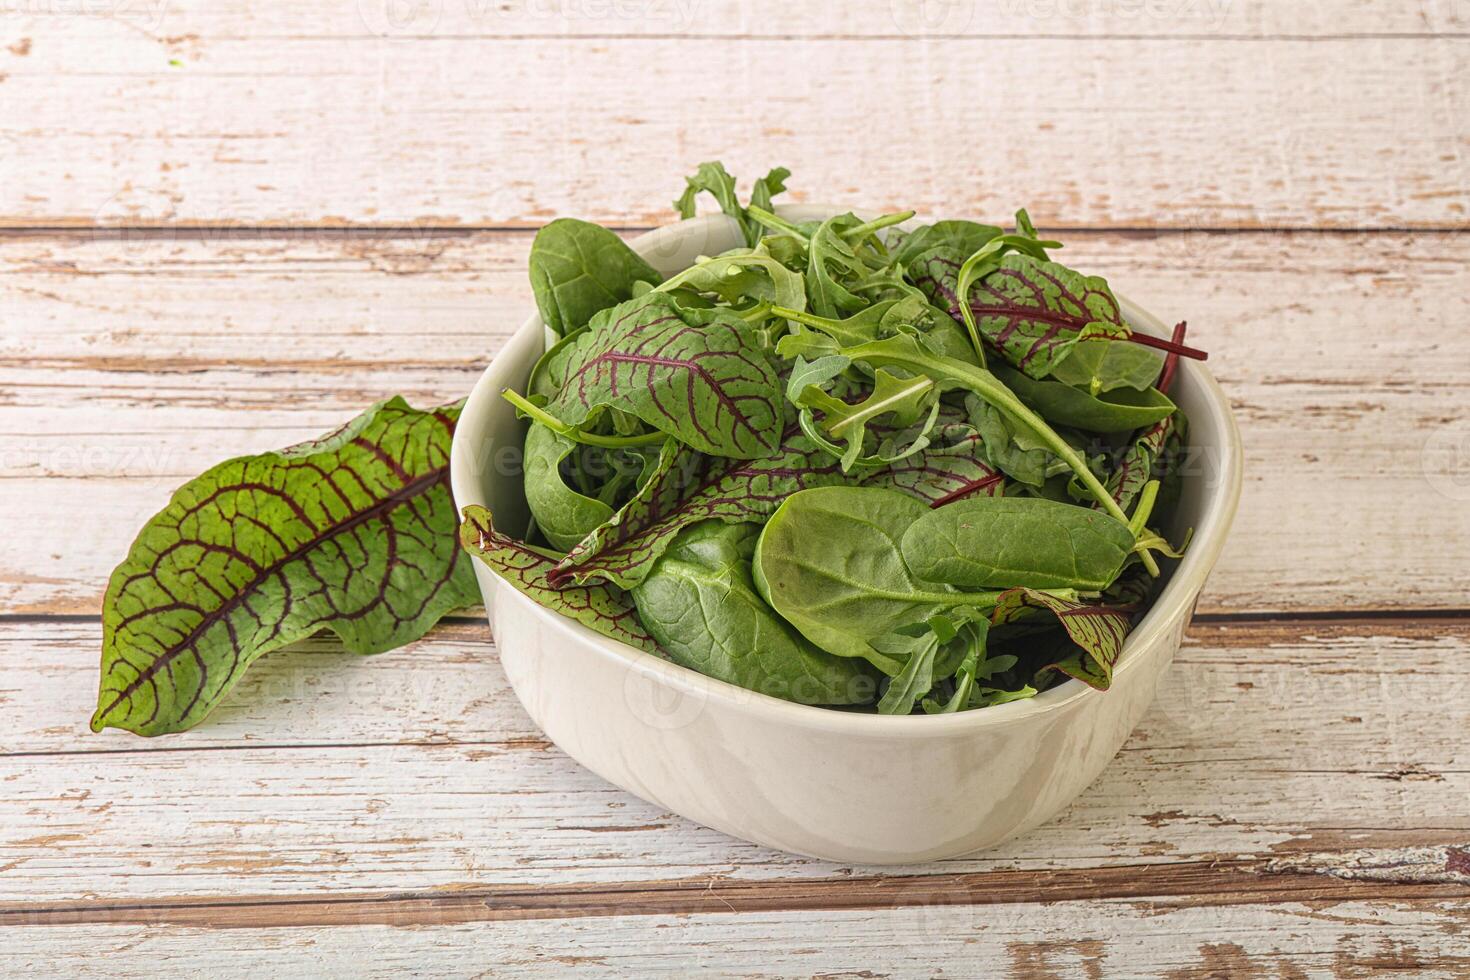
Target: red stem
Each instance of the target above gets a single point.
(1171, 363)
(1173, 347)
(968, 489)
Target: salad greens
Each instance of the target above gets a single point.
(913, 471)
(844, 464)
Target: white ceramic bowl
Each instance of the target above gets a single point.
(856, 788)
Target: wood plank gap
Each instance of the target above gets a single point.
(1197, 883)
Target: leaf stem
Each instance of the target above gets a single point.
(573, 433)
(771, 221)
(859, 232)
(1139, 522)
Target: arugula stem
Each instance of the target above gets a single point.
(1144, 508)
(764, 217)
(1139, 522)
(859, 232)
(573, 433)
(990, 388)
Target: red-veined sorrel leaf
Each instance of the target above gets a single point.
(352, 533)
(952, 466)
(1032, 311)
(1099, 631)
(1137, 464)
(693, 488)
(603, 608)
(699, 375)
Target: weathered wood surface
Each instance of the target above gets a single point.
(140, 363)
(417, 770)
(1074, 939)
(430, 112)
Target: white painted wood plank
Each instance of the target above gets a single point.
(417, 769)
(256, 125)
(126, 367)
(1064, 940)
(184, 26)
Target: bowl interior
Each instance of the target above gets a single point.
(485, 470)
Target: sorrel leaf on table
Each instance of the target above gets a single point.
(1098, 631)
(700, 603)
(607, 610)
(578, 268)
(691, 489)
(1033, 312)
(700, 376)
(998, 542)
(712, 178)
(353, 533)
(829, 561)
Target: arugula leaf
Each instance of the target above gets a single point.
(742, 274)
(700, 602)
(352, 532)
(712, 178)
(832, 263)
(903, 400)
(578, 268)
(603, 608)
(700, 376)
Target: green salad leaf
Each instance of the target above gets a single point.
(351, 533)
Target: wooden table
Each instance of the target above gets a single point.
(227, 226)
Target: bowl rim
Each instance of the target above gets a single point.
(1183, 586)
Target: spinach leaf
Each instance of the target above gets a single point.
(830, 563)
(563, 514)
(603, 608)
(1118, 410)
(700, 376)
(964, 237)
(999, 542)
(700, 603)
(352, 532)
(1096, 366)
(712, 178)
(578, 268)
